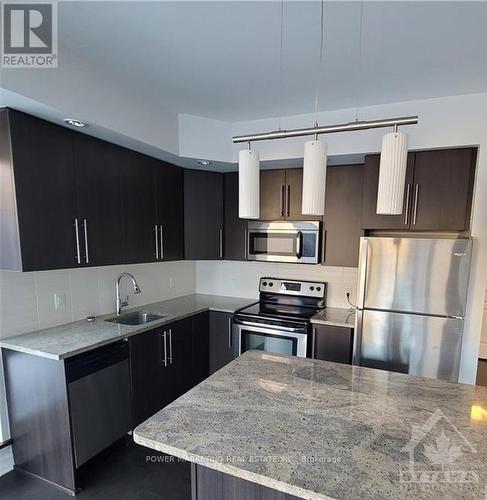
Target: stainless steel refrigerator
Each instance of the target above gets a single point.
(411, 305)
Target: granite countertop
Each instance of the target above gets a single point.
(73, 338)
(335, 316)
(321, 430)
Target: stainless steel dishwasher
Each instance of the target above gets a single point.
(99, 399)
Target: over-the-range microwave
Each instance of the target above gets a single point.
(298, 242)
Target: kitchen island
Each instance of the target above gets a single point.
(277, 427)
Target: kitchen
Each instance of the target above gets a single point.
(157, 197)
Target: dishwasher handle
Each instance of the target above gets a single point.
(87, 363)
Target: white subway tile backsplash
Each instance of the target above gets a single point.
(27, 299)
(242, 278)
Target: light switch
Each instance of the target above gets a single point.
(59, 300)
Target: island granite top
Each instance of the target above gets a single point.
(321, 430)
(70, 339)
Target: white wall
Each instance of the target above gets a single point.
(483, 337)
(241, 279)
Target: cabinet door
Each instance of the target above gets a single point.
(139, 209)
(235, 228)
(222, 349)
(333, 343)
(272, 194)
(180, 357)
(203, 215)
(443, 185)
(151, 385)
(343, 209)
(44, 183)
(370, 219)
(200, 365)
(294, 196)
(97, 167)
(170, 211)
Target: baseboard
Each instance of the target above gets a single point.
(6, 460)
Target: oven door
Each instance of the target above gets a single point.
(282, 340)
(284, 242)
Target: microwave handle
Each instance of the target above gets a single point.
(299, 245)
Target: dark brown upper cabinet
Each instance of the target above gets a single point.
(37, 229)
(443, 189)
(99, 200)
(203, 215)
(438, 192)
(235, 229)
(281, 193)
(370, 218)
(170, 210)
(343, 205)
(141, 240)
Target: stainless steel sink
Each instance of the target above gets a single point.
(136, 318)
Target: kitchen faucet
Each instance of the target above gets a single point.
(121, 303)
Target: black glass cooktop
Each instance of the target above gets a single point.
(269, 310)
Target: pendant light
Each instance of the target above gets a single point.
(315, 157)
(392, 173)
(248, 184)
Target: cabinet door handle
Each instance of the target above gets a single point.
(76, 232)
(230, 332)
(246, 235)
(157, 241)
(288, 200)
(87, 256)
(220, 241)
(416, 196)
(162, 243)
(408, 193)
(170, 346)
(283, 195)
(164, 344)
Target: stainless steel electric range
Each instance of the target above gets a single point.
(281, 321)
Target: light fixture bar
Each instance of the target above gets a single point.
(328, 129)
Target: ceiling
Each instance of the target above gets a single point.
(221, 59)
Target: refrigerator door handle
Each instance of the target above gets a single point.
(357, 337)
(364, 248)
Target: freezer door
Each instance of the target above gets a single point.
(427, 346)
(420, 275)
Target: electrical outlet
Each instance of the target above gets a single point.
(171, 282)
(348, 290)
(59, 300)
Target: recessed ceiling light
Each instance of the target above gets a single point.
(75, 123)
(205, 163)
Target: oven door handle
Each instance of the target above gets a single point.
(299, 245)
(271, 327)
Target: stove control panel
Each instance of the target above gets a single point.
(292, 287)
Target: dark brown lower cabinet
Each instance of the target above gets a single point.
(332, 343)
(201, 347)
(209, 484)
(167, 362)
(222, 343)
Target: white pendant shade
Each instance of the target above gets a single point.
(248, 184)
(314, 177)
(392, 173)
